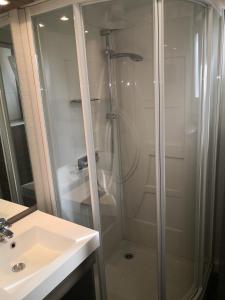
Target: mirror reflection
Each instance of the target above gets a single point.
(16, 179)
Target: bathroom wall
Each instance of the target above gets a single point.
(136, 122)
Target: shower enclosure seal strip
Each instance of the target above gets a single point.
(160, 143)
(205, 136)
(216, 129)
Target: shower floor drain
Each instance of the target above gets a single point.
(129, 255)
(18, 267)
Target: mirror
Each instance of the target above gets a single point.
(17, 190)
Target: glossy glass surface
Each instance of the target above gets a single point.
(119, 44)
(16, 179)
(60, 87)
(184, 39)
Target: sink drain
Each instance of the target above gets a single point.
(129, 255)
(18, 267)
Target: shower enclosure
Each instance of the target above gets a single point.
(128, 99)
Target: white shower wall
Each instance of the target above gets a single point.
(105, 133)
(133, 102)
(136, 108)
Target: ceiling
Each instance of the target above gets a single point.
(17, 3)
(14, 4)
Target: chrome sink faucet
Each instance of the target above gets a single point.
(5, 233)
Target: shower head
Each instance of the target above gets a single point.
(132, 56)
(106, 32)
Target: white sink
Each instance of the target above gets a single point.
(34, 248)
(49, 249)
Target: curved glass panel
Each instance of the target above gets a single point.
(213, 131)
(184, 37)
(119, 43)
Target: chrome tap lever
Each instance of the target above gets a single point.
(4, 223)
(5, 233)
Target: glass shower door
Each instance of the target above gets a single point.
(60, 89)
(213, 132)
(184, 100)
(120, 43)
(119, 47)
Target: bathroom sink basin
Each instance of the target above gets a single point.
(33, 249)
(43, 252)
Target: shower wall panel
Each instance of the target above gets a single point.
(181, 109)
(104, 135)
(136, 123)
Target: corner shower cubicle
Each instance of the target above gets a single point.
(127, 93)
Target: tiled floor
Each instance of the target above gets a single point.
(135, 279)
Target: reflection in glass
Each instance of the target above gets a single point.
(16, 179)
(58, 71)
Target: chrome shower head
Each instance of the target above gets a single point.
(106, 32)
(132, 56)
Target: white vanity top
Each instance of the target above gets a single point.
(51, 249)
(9, 209)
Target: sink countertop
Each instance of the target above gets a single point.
(41, 282)
(9, 209)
